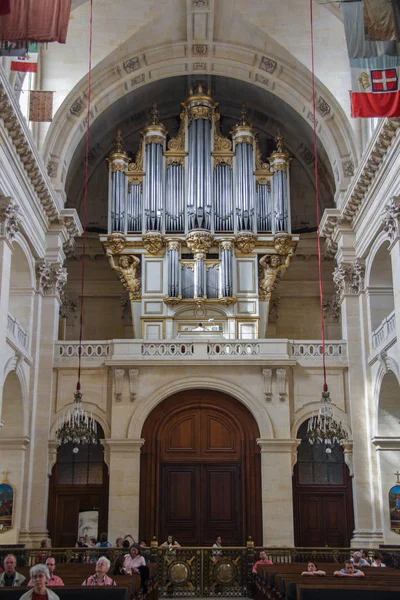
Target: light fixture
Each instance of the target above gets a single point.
(323, 428)
(76, 425)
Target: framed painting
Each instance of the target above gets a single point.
(7, 497)
(394, 508)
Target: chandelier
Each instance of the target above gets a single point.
(76, 425)
(324, 428)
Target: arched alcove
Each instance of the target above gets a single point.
(78, 484)
(21, 295)
(389, 406)
(322, 495)
(380, 287)
(13, 408)
(200, 470)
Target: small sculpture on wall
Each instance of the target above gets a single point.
(128, 268)
(7, 497)
(271, 269)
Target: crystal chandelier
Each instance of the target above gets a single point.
(76, 425)
(324, 428)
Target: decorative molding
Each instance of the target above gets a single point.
(10, 219)
(349, 280)
(391, 218)
(78, 106)
(121, 446)
(200, 49)
(133, 377)
(51, 278)
(268, 65)
(331, 308)
(323, 107)
(200, 3)
(199, 240)
(119, 375)
(132, 64)
(68, 307)
(273, 313)
(281, 377)
(116, 242)
(267, 374)
(245, 241)
(128, 269)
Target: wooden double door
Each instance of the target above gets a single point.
(200, 471)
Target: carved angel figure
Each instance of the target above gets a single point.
(271, 268)
(128, 268)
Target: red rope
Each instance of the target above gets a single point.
(85, 195)
(321, 294)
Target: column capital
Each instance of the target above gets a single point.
(10, 218)
(391, 219)
(124, 445)
(349, 279)
(51, 278)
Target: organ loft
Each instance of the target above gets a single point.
(199, 225)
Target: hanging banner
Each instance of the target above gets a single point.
(40, 106)
(394, 508)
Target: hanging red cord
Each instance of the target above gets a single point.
(321, 295)
(85, 195)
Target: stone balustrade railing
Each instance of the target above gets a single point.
(385, 332)
(17, 331)
(261, 350)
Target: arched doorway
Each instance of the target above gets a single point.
(78, 484)
(200, 471)
(322, 496)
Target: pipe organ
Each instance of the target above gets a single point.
(199, 209)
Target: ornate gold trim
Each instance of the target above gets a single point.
(199, 240)
(245, 241)
(135, 171)
(153, 242)
(199, 112)
(176, 146)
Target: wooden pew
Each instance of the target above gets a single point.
(73, 593)
(362, 591)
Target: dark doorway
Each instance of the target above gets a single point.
(200, 471)
(322, 496)
(79, 482)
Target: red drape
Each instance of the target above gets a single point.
(36, 21)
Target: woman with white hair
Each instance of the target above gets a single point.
(40, 575)
(100, 577)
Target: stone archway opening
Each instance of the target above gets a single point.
(389, 407)
(380, 295)
(200, 471)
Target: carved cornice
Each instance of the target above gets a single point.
(24, 146)
(360, 185)
(349, 279)
(9, 218)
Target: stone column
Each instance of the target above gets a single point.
(278, 457)
(124, 464)
(199, 242)
(9, 227)
(391, 223)
(349, 280)
(173, 249)
(226, 279)
(51, 278)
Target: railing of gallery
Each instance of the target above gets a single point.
(199, 571)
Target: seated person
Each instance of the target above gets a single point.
(378, 560)
(171, 545)
(145, 551)
(103, 542)
(40, 576)
(359, 561)
(135, 563)
(53, 580)
(217, 552)
(263, 561)
(364, 555)
(11, 577)
(100, 577)
(349, 570)
(313, 570)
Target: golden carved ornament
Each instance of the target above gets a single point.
(188, 264)
(117, 166)
(173, 245)
(135, 171)
(245, 241)
(221, 143)
(154, 139)
(228, 300)
(263, 172)
(283, 243)
(271, 268)
(128, 269)
(244, 139)
(175, 159)
(153, 242)
(200, 95)
(223, 159)
(226, 244)
(199, 240)
(211, 265)
(116, 242)
(171, 300)
(199, 112)
(118, 151)
(280, 166)
(176, 146)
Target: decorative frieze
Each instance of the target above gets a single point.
(391, 218)
(51, 278)
(331, 308)
(349, 279)
(10, 220)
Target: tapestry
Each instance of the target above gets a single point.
(394, 508)
(6, 506)
(40, 106)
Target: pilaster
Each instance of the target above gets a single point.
(278, 457)
(124, 465)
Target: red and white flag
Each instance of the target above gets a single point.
(375, 92)
(26, 63)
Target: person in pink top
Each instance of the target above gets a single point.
(54, 580)
(135, 563)
(263, 561)
(100, 577)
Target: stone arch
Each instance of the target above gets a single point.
(379, 284)
(290, 82)
(143, 409)
(21, 295)
(13, 408)
(310, 410)
(98, 414)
